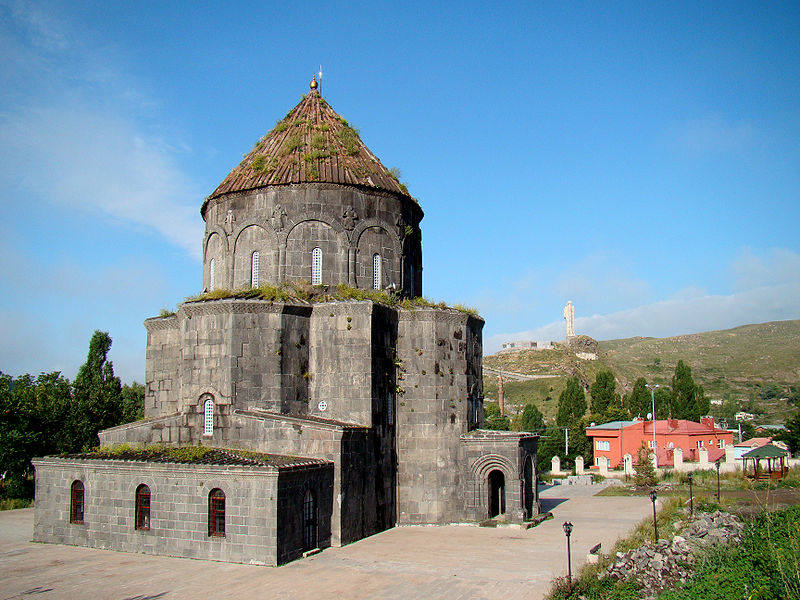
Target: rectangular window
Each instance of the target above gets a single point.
(720, 444)
(390, 408)
(651, 444)
(699, 443)
(603, 445)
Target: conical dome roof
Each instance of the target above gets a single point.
(312, 144)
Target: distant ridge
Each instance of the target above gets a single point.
(736, 361)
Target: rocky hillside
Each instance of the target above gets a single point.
(738, 364)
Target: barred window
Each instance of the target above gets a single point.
(76, 503)
(254, 269)
(376, 271)
(216, 513)
(316, 266)
(603, 445)
(211, 275)
(143, 507)
(309, 521)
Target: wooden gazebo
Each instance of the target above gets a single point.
(774, 458)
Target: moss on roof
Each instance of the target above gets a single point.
(191, 455)
(305, 292)
(311, 144)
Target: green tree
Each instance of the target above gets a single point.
(32, 417)
(530, 419)
(604, 392)
(639, 402)
(571, 404)
(551, 444)
(689, 399)
(97, 395)
(645, 473)
(792, 434)
(665, 400)
(492, 419)
(132, 402)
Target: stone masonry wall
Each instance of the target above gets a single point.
(285, 223)
(513, 454)
(440, 355)
(179, 508)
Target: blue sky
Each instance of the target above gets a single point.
(639, 159)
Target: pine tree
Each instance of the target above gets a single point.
(97, 395)
(571, 404)
(604, 393)
(688, 401)
(531, 420)
(645, 473)
(638, 404)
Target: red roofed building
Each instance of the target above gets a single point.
(616, 439)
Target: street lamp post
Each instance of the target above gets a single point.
(653, 399)
(691, 500)
(717, 481)
(653, 497)
(568, 531)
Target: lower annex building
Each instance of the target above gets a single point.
(275, 424)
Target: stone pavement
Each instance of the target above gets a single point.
(453, 562)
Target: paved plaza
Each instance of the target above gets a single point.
(454, 561)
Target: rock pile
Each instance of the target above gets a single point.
(657, 567)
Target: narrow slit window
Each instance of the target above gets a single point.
(143, 507)
(211, 275)
(208, 417)
(376, 271)
(216, 513)
(316, 266)
(390, 408)
(76, 503)
(254, 269)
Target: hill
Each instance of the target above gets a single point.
(750, 367)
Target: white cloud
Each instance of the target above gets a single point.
(70, 133)
(101, 164)
(712, 133)
(767, 289)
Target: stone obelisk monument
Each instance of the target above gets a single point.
(569, 315)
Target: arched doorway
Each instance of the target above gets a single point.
(497, 493)
(528, 484)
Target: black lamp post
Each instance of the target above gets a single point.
(691, 500)
(568, 530)
(653, 497)
(717, 481)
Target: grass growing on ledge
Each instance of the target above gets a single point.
(180, 454)
(303, 291)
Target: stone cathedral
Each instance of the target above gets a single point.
(321, 422)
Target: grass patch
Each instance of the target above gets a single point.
(349, 138)
(15, 503)
(305, 292)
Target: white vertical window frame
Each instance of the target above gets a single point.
(208, 417)
(376, 271)
(316, 266)
(211, 275)
(254, 269)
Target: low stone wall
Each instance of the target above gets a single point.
(179, 508)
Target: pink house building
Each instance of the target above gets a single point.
(616, 439)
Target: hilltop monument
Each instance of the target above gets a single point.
(569, 316)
